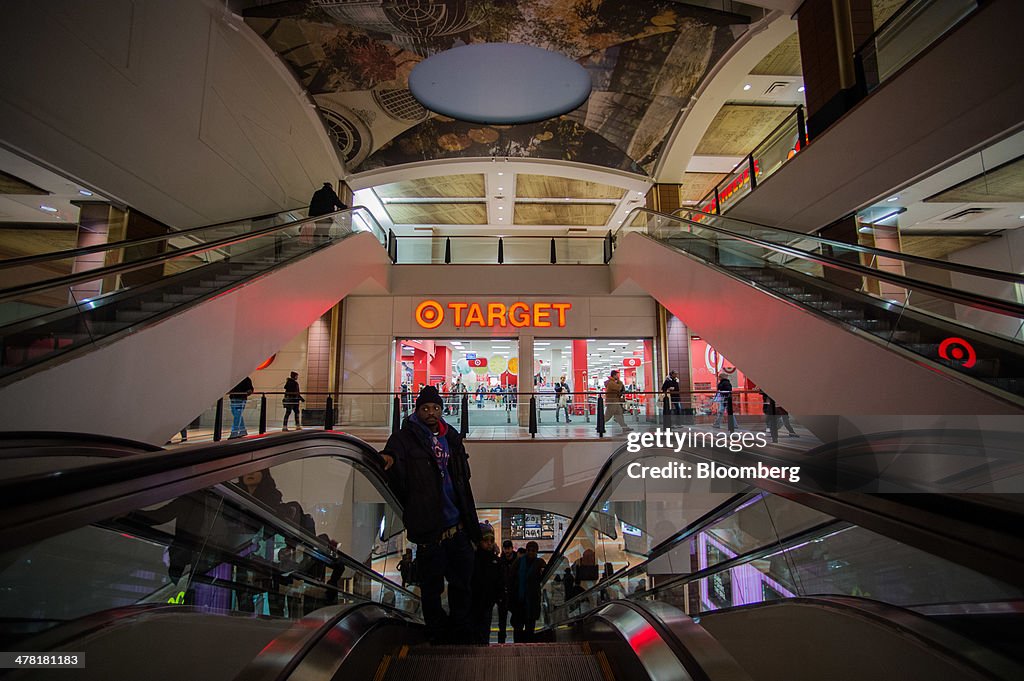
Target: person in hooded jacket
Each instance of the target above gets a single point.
(427, 469)
(488, 585)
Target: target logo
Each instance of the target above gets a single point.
(429, 314)
(631, 362)
(958, 350)
(714, 361)
(478, 363)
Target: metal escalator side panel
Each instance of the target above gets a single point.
(846, 638)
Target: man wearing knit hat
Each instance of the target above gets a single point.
(488, 588)
(428, 471)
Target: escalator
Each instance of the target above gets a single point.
(217, 286)
(190, 565)
(948, 336)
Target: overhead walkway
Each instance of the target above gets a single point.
(220, 299)
(809, 319)
(165, 565)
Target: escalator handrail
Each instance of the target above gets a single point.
(127, 243)
(15, 292)
(968, 529)
(879, 252)
(976, 301)
(904, 622)
(57, 501)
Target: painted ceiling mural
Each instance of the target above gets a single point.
(646, 59)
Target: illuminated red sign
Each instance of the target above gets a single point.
(430, 314)
(632, 361)
(958, 350)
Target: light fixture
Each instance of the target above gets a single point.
(500, 218)
(85, 192)
(1020, 217)
(801, 88)
(500, 174)
(746, 87)
(501, 189)
(893, 198)
(501, 207)
(48, 209)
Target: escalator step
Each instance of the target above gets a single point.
(504, 650)
(485, 666)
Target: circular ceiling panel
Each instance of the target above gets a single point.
(500, 83)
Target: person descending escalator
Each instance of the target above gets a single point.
(427, 469)
(324, 200)
(526, 576)
(487, 585)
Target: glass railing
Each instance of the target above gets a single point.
(280, 542)
(907, 33)
(497, 250)
(496, 414)
(149, 278)
(703, 547)
(973, 324)
(764, 160)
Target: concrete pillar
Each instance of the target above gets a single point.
(98, 223)
(526, 372)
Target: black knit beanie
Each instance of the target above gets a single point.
(429, 394)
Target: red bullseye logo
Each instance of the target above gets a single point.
(958, 350)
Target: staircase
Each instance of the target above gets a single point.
(533, 661)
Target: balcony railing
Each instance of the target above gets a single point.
(497, 250)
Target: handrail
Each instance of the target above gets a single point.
(547, 237)
(15, 292)
(878, 252)
(977, 301)
(975, 528)
(125, 243)
(767, 137)
(87, 492)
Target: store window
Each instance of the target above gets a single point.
(486, 371)
(585, 364)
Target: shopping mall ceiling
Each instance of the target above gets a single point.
(646, 59)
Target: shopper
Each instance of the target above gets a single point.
(505, 561)
(405, 568)
(562, 399)
(487, 585)
(781, 416)
(724, 399)
(526, 576)
(238, 397)
(614, 392)
(428, 472)
(324, 201)
(292, 397)
(671, 390)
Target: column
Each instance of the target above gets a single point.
(525, 378)
(98, 223)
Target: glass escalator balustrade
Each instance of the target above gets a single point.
(704, 547)
(972, 326)
(279, 542)
(42, 315)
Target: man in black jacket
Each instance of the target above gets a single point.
(324, 200)
(428, 471)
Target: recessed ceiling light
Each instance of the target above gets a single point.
(893, 198)
(501, 189)
(500, 218)
(1020, 217)
(501, 207)
(801, 88)
(746, 87)
(85, 192)
(48, 209)
(500, 174)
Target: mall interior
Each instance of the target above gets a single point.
(807, 212)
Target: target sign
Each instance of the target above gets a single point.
(958, 350)
(631, 361)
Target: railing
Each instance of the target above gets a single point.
(504, 414)
(140, 280)
(734, 544)
(973, 327)
(907, 33)
(491, 250)
(257, 532)
(781, 144)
